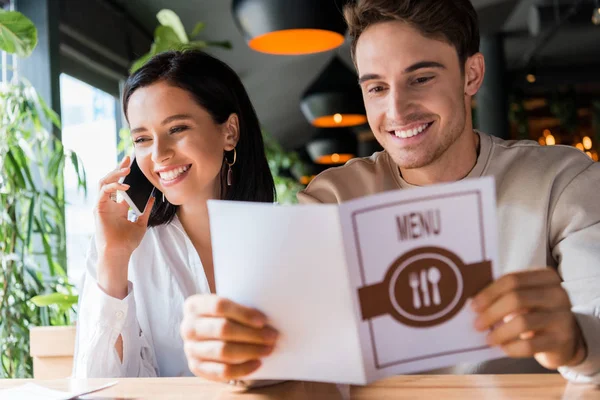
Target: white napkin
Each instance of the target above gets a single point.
(32, 391)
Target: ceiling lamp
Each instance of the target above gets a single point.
(334, 99)
(331, 146)
(290, 27)
(306, 170)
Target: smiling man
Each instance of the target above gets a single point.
(419, 67)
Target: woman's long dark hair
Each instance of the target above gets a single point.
(218, 89)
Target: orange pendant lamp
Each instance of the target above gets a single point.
(333, 146)
(334, 99)
(290, 27)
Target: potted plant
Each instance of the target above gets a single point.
(32, 220)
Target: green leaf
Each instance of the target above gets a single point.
(18, 34)
(81, 183)
(169, 19)
(139, 63)
(59, 299)
(197, 29)
(27, 243)
(166, 39)
(49, 113)
(17, 173)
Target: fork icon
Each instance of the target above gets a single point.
(413, 281)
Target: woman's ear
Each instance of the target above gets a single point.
(231, 131)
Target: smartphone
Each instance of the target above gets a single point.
(140, 189)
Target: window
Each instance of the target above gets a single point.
(89, 128)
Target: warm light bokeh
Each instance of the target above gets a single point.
(334, 158)
(296, 41)
(339, 120)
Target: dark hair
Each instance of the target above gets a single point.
(218, 89)
(453, 21)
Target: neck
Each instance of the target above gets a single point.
(194, 218)
(456, 163)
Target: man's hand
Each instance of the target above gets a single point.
(530, 314)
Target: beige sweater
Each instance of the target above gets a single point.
(548, 201)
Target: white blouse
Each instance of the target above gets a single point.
(163, 271)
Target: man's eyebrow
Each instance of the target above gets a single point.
(412, 68)
(423, 64)
(368, 77)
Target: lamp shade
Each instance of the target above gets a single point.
(332, 146)
(334, 99)
(290, 27)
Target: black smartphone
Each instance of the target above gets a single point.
(140, 188)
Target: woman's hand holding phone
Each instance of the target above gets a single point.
(116, 236)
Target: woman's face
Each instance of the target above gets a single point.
(177, 144)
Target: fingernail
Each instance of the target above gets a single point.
(126, 185)
(125, 169)
(474, 305)
(258, 320)
(271, 334)
(478, 324)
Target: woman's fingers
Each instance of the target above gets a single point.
(107, 189)
(114, 176)
(214, 306)
(222, 372)
(225, 352)
(209, 328)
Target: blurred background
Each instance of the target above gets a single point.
(62, 128)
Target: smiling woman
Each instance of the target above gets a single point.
(196, 137)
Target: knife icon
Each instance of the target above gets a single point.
(425, 289)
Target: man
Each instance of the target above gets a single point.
(419, 66)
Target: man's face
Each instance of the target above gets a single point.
(414, 93)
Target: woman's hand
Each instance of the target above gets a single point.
(224, 340)
(116, 237)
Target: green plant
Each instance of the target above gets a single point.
(32, 219)
(171, 35)
(281, 162)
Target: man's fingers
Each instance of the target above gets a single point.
(222, 372)
(208, 328)
(214, 306)
(227, 352)
(513, 282)
(524, 348)
(521, 325)
(547, 298)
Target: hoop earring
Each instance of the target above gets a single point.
(229, 170)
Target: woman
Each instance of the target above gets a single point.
(196, 137)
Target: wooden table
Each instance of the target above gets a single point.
(437, 387)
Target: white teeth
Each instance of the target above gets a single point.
(172, 174)
(410, 132)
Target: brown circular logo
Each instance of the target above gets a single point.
(424, 287)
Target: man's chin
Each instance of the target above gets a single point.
(410, 161)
